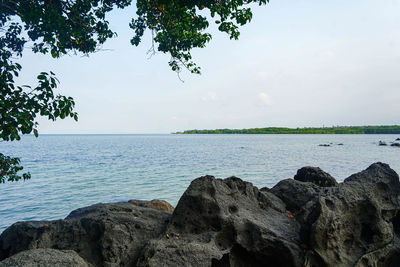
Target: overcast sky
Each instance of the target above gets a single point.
(298, 63)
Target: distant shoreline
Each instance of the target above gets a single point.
(385, 129)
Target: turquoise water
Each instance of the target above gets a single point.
(72, 171)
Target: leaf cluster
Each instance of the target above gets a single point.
(9, 167)
(57, 27)
(50, 27)
(20, 105)
(179, 26)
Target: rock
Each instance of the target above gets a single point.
(377, 173)
(340, 144)
(227, 223)
(397, 139)
(232, 223)
(396, 144)
(216, 223)
(45, 258)
(381, 143)
(104, 234)
(154, 204)
(295, 194)
(326, 145)
(368, 202)
(316, 176)
(354, 224)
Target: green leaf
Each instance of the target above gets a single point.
(41, 77)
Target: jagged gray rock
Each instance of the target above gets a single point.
(226, 223)
(316, 176)
(232, 223)
(353, 224)
(103, 234)
(45, 258)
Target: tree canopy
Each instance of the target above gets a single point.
(59, 27)
(392, 129)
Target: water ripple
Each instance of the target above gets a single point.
(73, 171)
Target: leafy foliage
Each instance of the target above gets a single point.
(57, 27)
(178, 26)
(394, 129)
(9, 168)
(54, 27)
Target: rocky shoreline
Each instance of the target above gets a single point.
(310, 220)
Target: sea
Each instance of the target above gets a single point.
(73, 171)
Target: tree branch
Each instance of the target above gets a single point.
(12, 9)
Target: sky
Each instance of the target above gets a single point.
(299, 63)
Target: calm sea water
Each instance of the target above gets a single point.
(72, 171)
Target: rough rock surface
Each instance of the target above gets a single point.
(232, 223)
(154, 204)
(354, 224)
(45, 258)
(316, 176)
(226, 223)
(102, 234)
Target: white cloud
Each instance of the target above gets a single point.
(264, 99)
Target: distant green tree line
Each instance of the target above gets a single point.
(393, 129)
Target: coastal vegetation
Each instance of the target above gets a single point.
(61, 27)
(393, 129)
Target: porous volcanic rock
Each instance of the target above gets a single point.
(354, 224)
(103, 234)
(227, 223)
(45, 258)
(230, 222)
(316, 176)
(154, 204)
